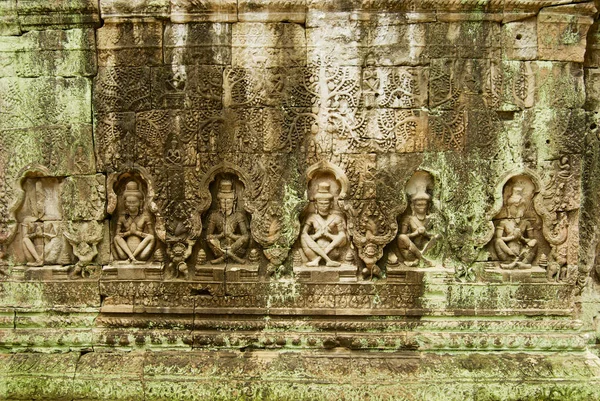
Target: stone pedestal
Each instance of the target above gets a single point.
(233, 272)
(241, 273)
(405, 274)
(324, 274)
(494, 274)
(146, 271)
(46, 273)
(209, 273)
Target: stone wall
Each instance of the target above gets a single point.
(299, 199)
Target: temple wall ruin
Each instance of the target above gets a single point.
(299, 199)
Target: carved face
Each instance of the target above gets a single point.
(178, 250)
(420, 206)
(323, 206)
(132, 205)
(226, 205)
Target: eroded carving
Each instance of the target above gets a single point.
(417, 234)
(40, 216)
(134, 234)
(517, 228)
(324, 231)
(227, 232)
(84, 238)
(513, 241)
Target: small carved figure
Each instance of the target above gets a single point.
(179, 252)
(415, 232)
(324, 232)
(556, 269)
(7, 234)
(84, 241)
(513, 242)
(134, 237)
(227, 233)
(201, 258)
(370, 256)
(174, 154)
(79, 159)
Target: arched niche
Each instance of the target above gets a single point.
(324, 238)
(518, 240)
(132, 208)
(226, 218)
(419, 228)
(37, 210)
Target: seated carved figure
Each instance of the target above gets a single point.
(134, 236)
(33, 233)
(227, 232)
(324, 232)
(415, 237)
(513, 240)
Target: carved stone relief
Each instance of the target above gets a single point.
(228, 246)
(137, 230)
(134, 238)
(84, 238)
(227, 227)
(324, 244)
(518, 241)
(308, 174)
(40, 240)
(419, 229)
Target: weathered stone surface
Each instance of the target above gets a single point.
(197, 43)
(562, 31)
(122, 89)
(254, 199)
(64, 53)
(130, 44)
(45, 101)
(520, 40)
(271, 374)
(268, 11)
(123, 9)
(9, 21)
(269, 45)
(211, 10)
(38, 14)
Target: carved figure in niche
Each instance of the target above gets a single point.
(41, 245)
(134, 236)
(227, 234)
(324, 232)
(514, 242)
(39, 215)
(416, 236)
(33, 243)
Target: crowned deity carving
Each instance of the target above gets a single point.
(514, 240)
(134, 235)
(416, 236)
(324, 231)
(227, 234)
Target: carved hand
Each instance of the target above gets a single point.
(517, 233)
